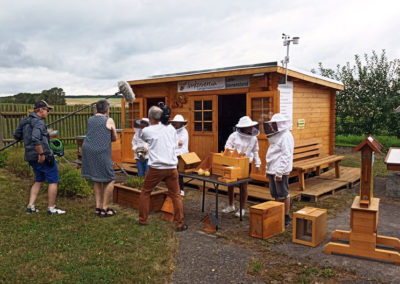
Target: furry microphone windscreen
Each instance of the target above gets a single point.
(126, 91)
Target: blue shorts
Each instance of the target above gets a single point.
(45, 173)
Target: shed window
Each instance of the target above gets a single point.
(203, 113)
(261, 109)
(132, 114)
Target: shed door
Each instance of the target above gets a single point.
(260, 107)
(204, 129)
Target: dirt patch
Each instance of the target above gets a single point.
(277, 259)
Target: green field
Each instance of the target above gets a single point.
(115, 102)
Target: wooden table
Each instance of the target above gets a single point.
(213, 179)
(392, 159)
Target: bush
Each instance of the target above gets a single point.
(16, 164)
(3, 158)
(71, 184)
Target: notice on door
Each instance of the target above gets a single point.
(286, 100)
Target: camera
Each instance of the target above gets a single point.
(140, 153)
(166, 113)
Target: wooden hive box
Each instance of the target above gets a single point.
(233, 162)
(267, 219)
(309, 226)
(188, 162)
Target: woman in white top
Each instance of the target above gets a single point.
(179, 123)
(245, 141)
(140, 147)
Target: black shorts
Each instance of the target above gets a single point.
(279, 189)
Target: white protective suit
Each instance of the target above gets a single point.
(138, 142)
(279, 157)
(182, 135)
(245, 143)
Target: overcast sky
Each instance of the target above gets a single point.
(86, 47)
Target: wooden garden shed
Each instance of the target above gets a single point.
(213, 101)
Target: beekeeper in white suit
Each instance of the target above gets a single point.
(244, 140)
(179, 123)
(279, 159)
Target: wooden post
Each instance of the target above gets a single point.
(1, 131)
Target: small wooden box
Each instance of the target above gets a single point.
(309, 226)
(188, 162)
(267, 219)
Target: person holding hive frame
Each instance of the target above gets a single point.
(179, 123)
(245, 141)
(140, 147)
(279, 159)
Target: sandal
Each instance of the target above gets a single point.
(98, 212)
(107, 214)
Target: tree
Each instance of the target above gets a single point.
(372, 92)
(54, 96)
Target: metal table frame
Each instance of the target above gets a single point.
(213, 179)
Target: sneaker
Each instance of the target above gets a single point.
(287, 220)
(182, 193)
(237, 214)
(31, 209)
(182, 228)
(229, 209)
(54, 210)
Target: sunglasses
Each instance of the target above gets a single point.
(48, 110)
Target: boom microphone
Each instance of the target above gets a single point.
(126, 91)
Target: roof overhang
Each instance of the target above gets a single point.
(261, 68)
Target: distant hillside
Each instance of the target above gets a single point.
(85, 100)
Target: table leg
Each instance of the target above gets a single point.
(204, 195)
(216, 205)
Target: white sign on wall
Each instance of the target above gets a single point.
(286, 100)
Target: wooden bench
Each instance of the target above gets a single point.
(307, 157)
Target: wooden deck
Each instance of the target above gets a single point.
(316, 187)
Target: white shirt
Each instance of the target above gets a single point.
(182, 135)
(279, 157)
(245, 144)
(138, 142)
(162, 143)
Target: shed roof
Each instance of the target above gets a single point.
(259, 68)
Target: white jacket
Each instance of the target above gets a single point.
(279, 157)
(162, 143)
(182, 135)
(245, 144)
(138, 142)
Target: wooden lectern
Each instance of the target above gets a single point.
(363, 236)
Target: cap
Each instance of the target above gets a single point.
(41, 104)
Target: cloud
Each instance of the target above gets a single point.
(85, 47)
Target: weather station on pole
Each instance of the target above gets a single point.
(286, 42)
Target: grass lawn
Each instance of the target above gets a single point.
(78, 247)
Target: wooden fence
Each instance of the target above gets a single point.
(68, 129)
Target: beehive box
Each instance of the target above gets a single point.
(309, 226)
(267, 219)
(188, 162)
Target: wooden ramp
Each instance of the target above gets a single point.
(130, 168)
(327, 184)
